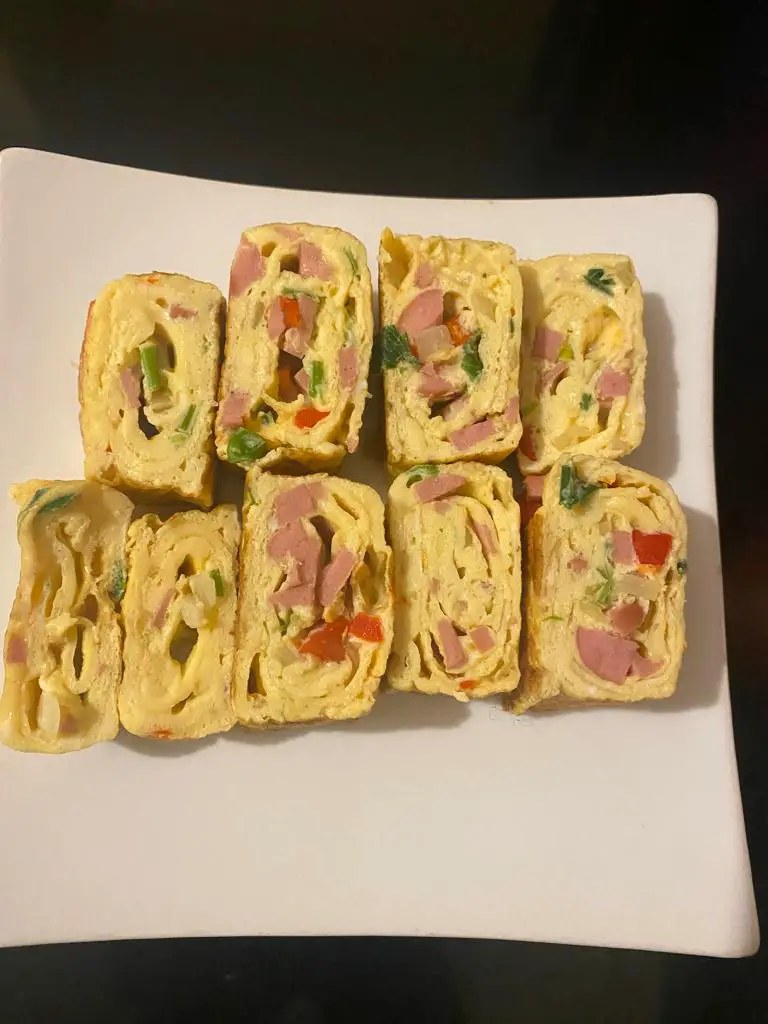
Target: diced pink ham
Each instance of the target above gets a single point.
(348, 367)
(475, 433)
(432, 342)
(312, 263)
(294, 597)
(292, 541)
(131, 381)
(299, 501)
(162, 609)
(578, 564)
(434, 586)
(247, 267)
(482, 638)
(16, 651)
(426, 310)
(438, 486)
(625, 618)
(177, 312)
(335, 575)
(552, 375)
(453, 652)
(275, 323)
(235, 408)
(623, 548)
(612, 384)
(433, 385)
(285, 540)
(424, 275)
(512, 410)
(454, 408)
(534, 486)
(487, 537)
(644, 666)
(288, 232)
(607, 655)
(547, 343)
(302, 380)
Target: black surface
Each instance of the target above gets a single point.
(540, 98)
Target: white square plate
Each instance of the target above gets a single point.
(617, 827)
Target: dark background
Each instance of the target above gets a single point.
(544, 98)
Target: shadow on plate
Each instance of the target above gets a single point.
(659, 452)
(162, 748)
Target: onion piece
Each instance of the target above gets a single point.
(48, 714)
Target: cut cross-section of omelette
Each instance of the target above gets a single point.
(148, 373)
(456, 545)
(604, 589)
(582, 373)
(179, 610)
(299, 339)
(63, 646)
(315, 616)
(450, 315)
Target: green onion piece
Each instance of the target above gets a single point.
(511, 325)
(245, 447)
(395, 348)
(56, 503)
(150, 366)
(573, 490)
(352, 261)
(419, 473)
(267, 416)
(682, 566)
(316, 379)
(596, 277)
(553, 618)
(189, 418)
(30, 504)
(529, 409)
(218, 582)
(118, 581)
(566, 351)
(586, 401)
(471, 363)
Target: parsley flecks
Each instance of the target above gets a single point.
(573, 490)
(118, 581)
(56, 503)
(420, 473)
(603, 593)
(586, 401)
(597, 278)
(352, 261)
(682, 566)
(471, 363)
(395, 348)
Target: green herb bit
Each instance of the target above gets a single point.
(118, 581)
(553, 618)
(316, 379)
(217, 581)
(528, 409)
(32, 502)
(596, 277)
(566, 351)
(574, 490)
(149, 354)
(294, 293)
(586, 401)
(511, 325)
(189, 418)
(267, 416)
(471, 363)
(420, 473)
(284, 623)
(352, 261)
(682, 566)
(245, 447)
(395, 348)
(56, 503)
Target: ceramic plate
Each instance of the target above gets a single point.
(615, 827)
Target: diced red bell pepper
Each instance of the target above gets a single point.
(327, 641)
(367, 627)
(289, 307)
(467, 684)
(457, 332)
(309, 416)
(651, 548)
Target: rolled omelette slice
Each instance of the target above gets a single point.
(63, 645)
(582, 373)
(456, 544)
(147, 385)
(179, 610)
(605, 587)
(299, 339)
(315, 620)
(450, 347)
